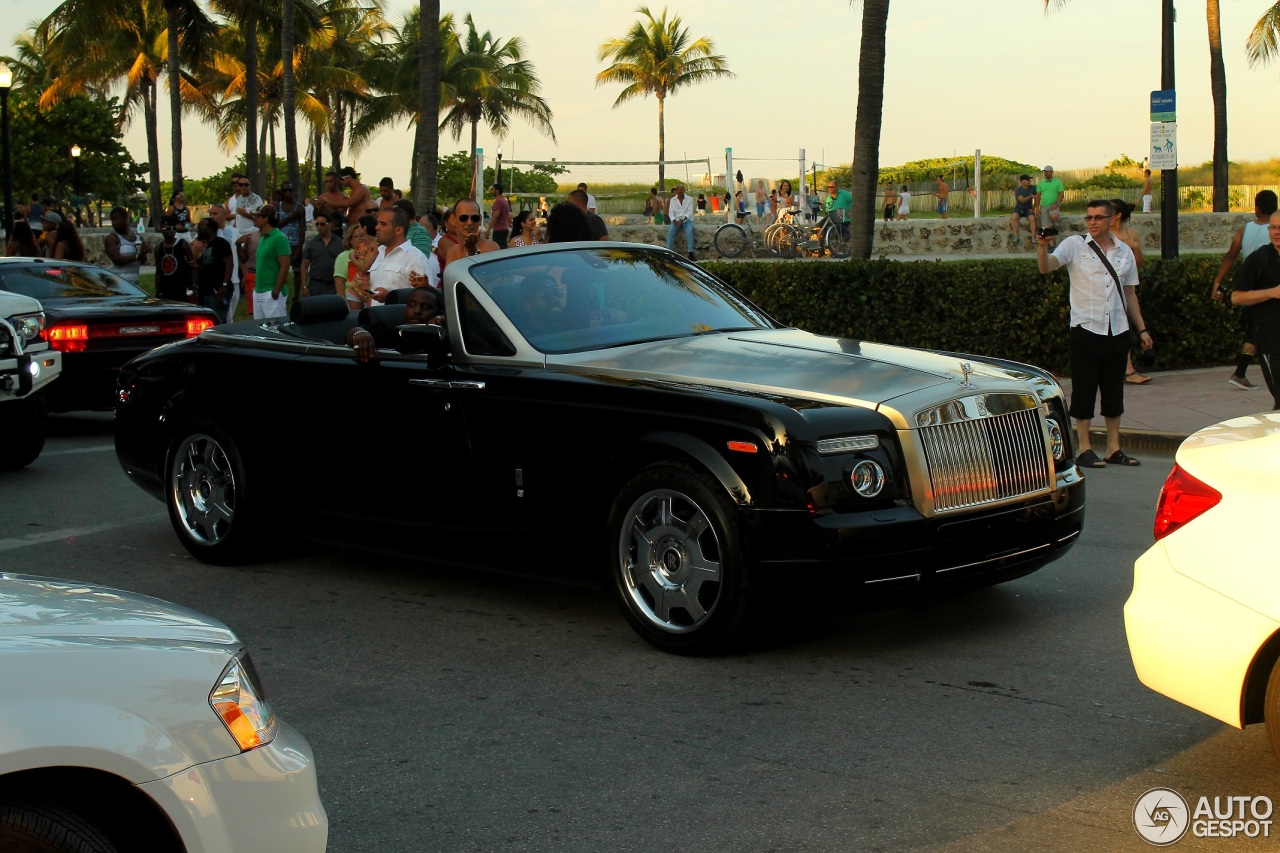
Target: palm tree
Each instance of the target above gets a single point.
(495, 84)
(1263, 45)
(866, 127)
(288, 32)
(1218, 85)
(189, 32)
(658, 57)
(426, 143)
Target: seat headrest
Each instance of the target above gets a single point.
(387, 316)
(318, 309)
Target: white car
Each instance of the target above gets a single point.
(128, 723)
(27, 365)
(1203, 620)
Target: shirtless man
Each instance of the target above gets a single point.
(358, 202)
(467, 215)
(386, 195)
(333, 201)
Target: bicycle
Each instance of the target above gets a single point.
(732, 239)
(830, 234)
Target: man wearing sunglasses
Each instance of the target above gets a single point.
(470, 242)
(243, 203)
(1104, 301)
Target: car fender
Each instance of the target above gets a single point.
(707, 457)
(82, 732)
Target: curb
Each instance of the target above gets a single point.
(1139, 439)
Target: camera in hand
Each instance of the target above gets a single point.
(1047, 232)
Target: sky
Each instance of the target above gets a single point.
(1070, 88)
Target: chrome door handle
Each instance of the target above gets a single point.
(461, 385)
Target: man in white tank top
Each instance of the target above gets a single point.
(124, 247)
(1248, 239)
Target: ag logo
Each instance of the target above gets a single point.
(1161, 816)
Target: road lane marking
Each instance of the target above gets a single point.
(74, 532)
(78, 450)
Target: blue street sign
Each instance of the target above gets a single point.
(1163, 106)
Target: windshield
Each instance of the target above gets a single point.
(55, 281)
(581, 299)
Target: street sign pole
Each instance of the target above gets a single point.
(1168, 177)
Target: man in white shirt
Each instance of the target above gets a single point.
(680, 215)
(1100, 317)
(243, 204)
(591, 200)
(399, 264)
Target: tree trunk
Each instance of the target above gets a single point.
(149, 103)
(662, 146)
(1218, 85)
(866, 128)
(287, 30)
(477, 193)
(426, 146)
(251, 98)
(273, 179)
(175, 93)
(317, 160)
(337, 134)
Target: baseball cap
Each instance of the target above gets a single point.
(52, 217)
(1047, 169)
(348, 172)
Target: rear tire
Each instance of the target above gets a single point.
(788, 240)
(836, 241)
(1271, 710)
(23, 425)
(207, 493)
(43, 828)
(731, 240)
(678, 567)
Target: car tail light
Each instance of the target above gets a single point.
(196, 325)
(67, 338)
(1182, 499)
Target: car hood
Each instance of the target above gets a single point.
(798, 364)
(39, 610)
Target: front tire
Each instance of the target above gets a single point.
(41, 828)
(678, 565)
(206, 490)
(23, 426)
(1271, 710)
(836, 240)
(731, 240)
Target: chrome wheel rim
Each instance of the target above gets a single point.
(671, 561)
(203, 488)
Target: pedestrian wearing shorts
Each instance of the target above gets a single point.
(1258, 286)
(1104, 303)
(1147, 191)
(1049, 198)
(1024, 203)
(941, 193)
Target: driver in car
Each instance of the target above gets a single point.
(370, 337)
(540, 305)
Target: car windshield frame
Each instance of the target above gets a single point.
(582, 299)
(52, 280)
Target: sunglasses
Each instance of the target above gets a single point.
(242, 183)
(475, 217)
(1102, 218)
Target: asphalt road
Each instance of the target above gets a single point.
(457, 710)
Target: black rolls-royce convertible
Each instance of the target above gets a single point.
(632, 408)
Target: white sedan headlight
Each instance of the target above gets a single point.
(241, 705)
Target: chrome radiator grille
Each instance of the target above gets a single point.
(987, 460)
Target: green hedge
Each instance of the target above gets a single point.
(1001, 307)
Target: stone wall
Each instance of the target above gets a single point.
(960, 237)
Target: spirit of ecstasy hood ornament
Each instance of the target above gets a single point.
(966, 368)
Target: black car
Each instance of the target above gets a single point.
(619, 406)
(98, 321)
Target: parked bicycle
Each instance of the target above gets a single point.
(790, 237)
(732, 239)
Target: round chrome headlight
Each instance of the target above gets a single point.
(867, 478)
(1056, 442)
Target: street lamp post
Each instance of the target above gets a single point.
(75, 177)
(6, 83)
(499, 180)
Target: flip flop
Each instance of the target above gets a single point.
(1136, 378)
(1089, 459)
(1122, 458)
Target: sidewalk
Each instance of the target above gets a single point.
(1176, 403)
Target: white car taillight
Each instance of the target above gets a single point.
(241, 705)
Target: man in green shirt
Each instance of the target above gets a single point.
(270, 296)
(1048, 198)
(838, 199)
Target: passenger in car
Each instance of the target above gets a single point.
(380, 333)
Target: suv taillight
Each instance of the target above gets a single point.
(1182, 499)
